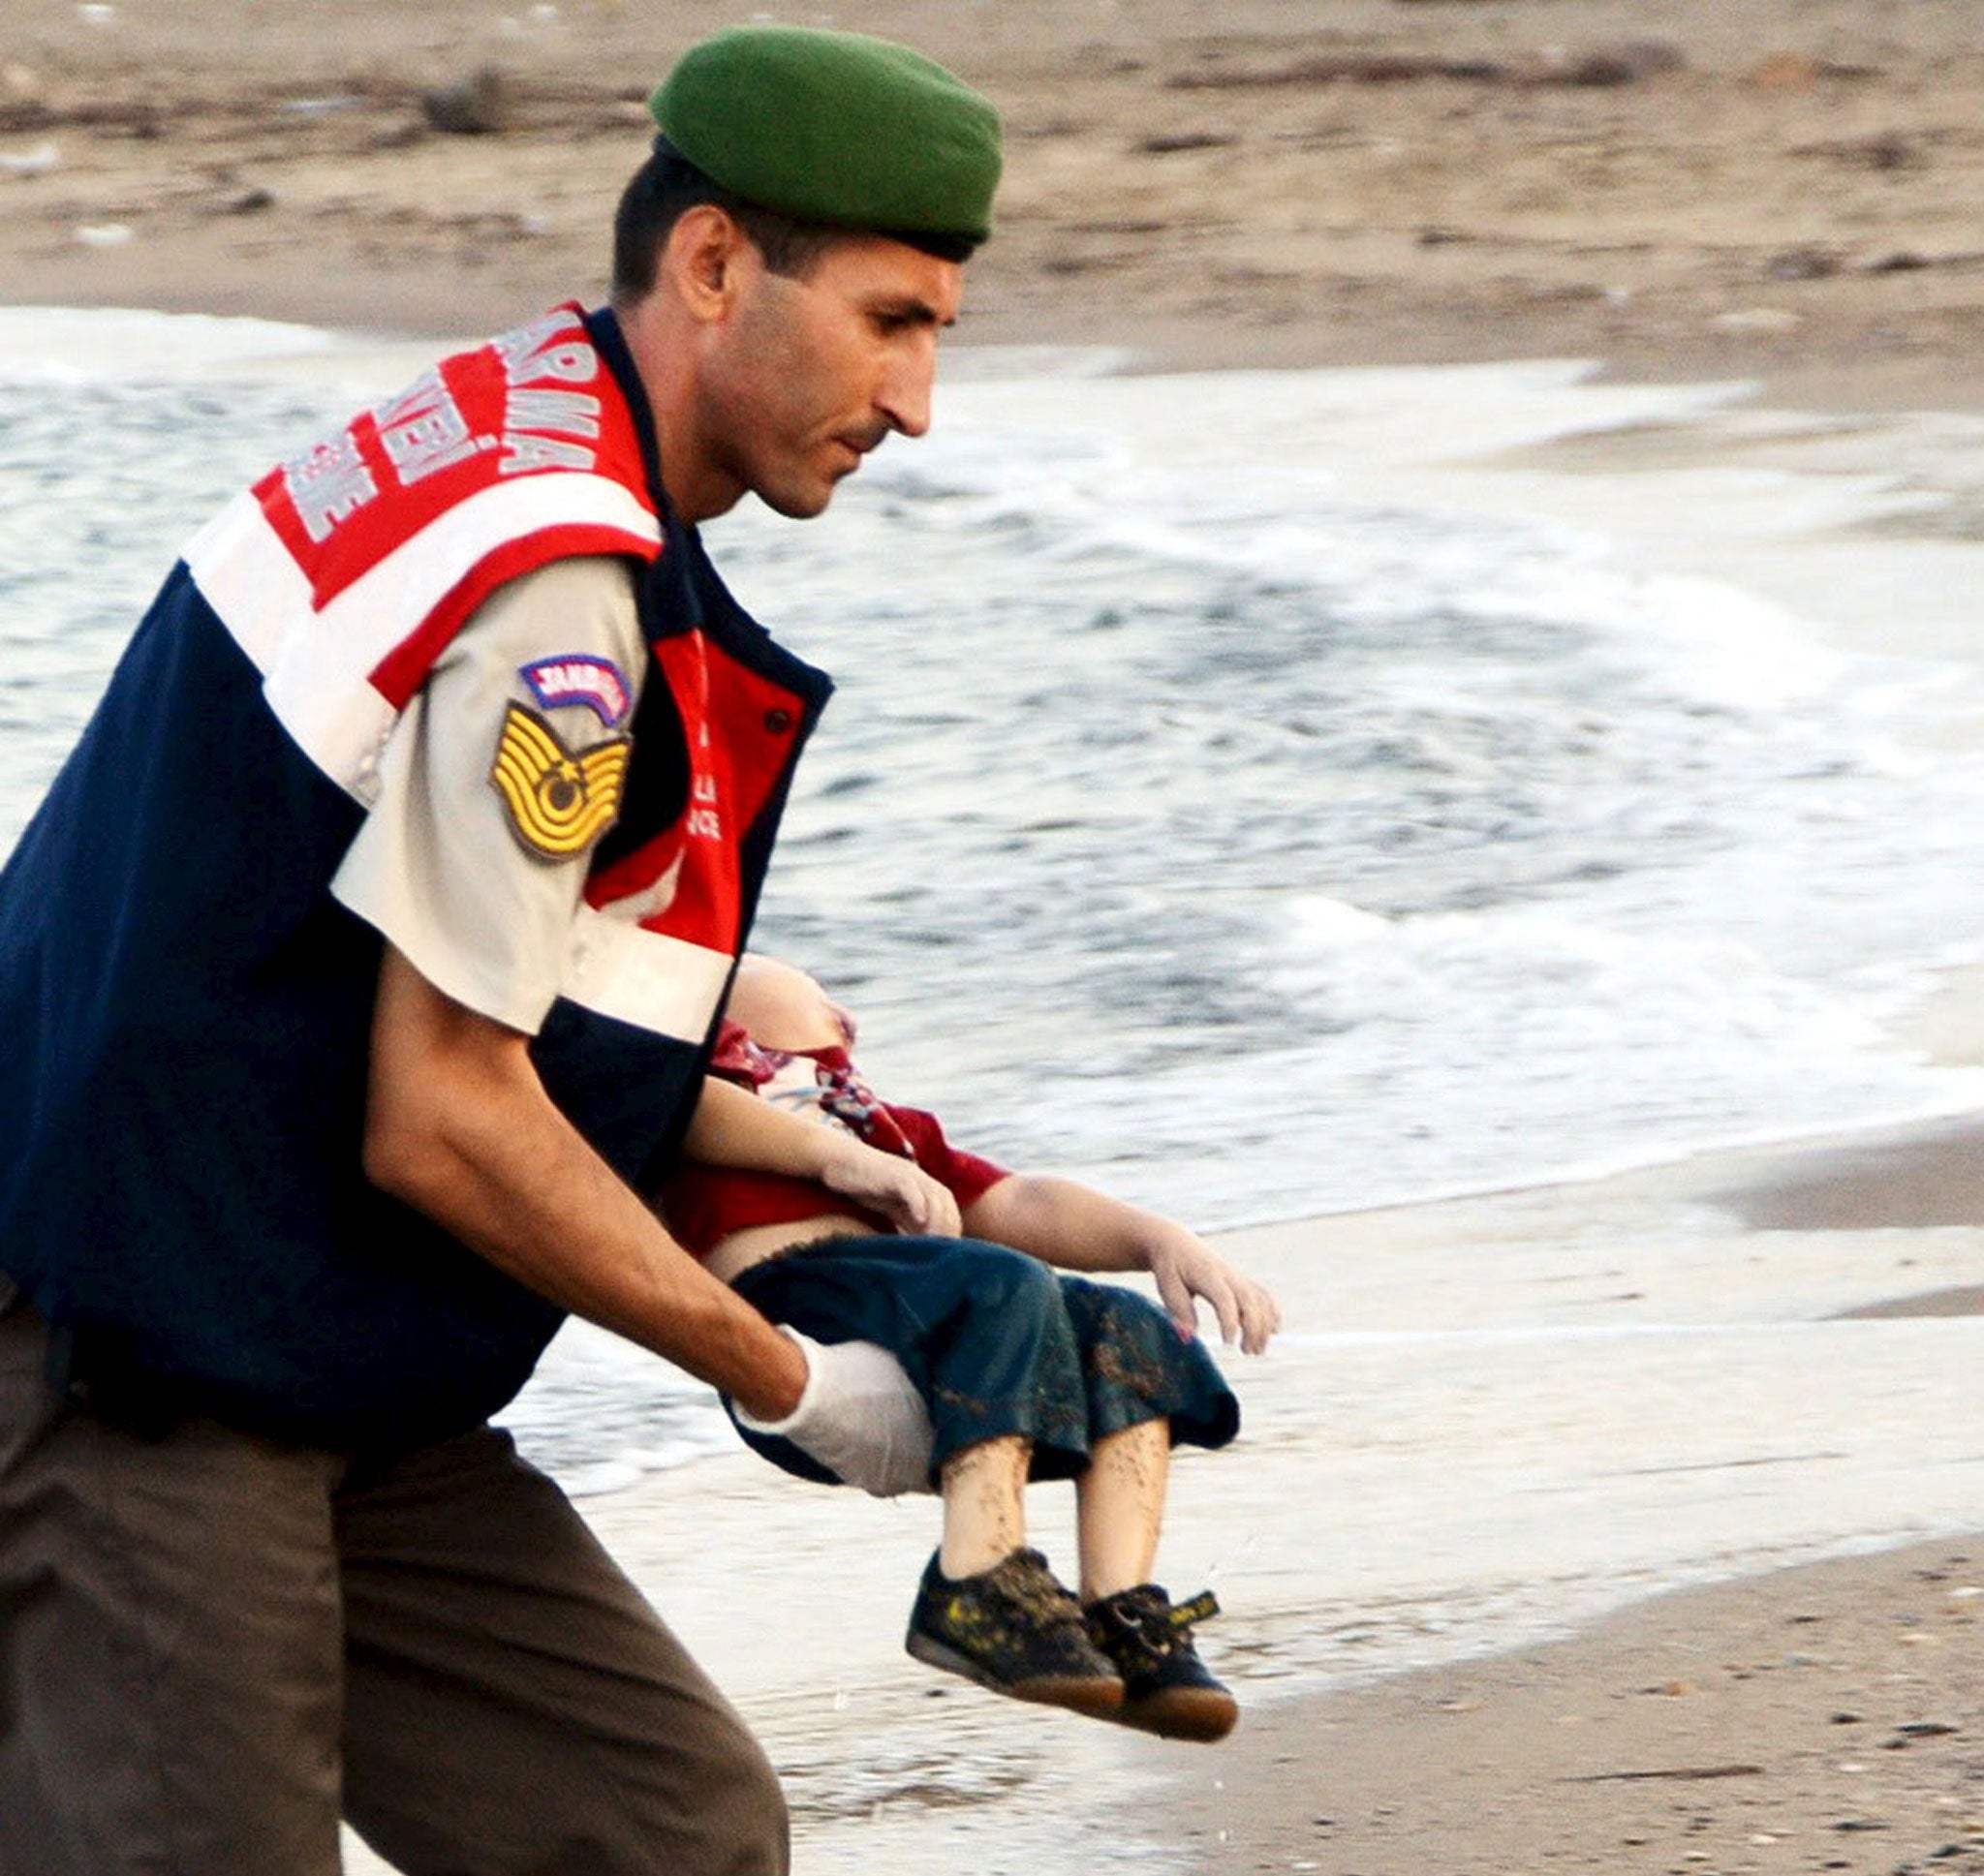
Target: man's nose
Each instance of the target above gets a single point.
(908, 381)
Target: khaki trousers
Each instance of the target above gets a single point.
(212, 1644)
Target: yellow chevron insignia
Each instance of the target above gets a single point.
(560, 800)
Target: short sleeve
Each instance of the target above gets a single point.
(502, 774)
(966, 1175)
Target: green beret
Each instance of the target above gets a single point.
(839, 128)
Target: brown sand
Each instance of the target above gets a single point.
(1702, 187)
(1826, 1718)
(1914, 1178)
(1783, 189)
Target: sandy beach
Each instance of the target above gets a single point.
(1653, 1541)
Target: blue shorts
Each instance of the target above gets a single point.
(997, 1343)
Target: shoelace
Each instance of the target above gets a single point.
(1024, 1583)
(1201, 1607)
(1155, 1625)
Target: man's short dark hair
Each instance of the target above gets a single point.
(668, 185)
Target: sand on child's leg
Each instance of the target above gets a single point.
(984, 1504)
(1120, 1508)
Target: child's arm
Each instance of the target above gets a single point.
(1077, 1228)
(734, 1129)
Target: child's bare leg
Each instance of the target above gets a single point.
(1120, 1511)
(988, 1607)
(1120, 1508)
(984, 1504)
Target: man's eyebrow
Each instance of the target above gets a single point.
(911, 310)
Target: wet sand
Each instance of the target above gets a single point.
(1821, 1718)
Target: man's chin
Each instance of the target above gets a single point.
(798, 502)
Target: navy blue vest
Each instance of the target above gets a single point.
(186, 1011)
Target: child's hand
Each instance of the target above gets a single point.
(1186, 1267)
(898, 1188)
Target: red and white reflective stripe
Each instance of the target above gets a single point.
(320, 669)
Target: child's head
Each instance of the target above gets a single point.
(784, 1008)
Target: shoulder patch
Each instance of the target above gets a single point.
(579, 677)
(559, 800)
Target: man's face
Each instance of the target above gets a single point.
(813, 371)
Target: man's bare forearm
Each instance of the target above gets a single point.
(459, 1127)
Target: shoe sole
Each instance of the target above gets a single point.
(1204, 1714)
(1099, 1696)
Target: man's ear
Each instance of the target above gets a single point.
(704, 261)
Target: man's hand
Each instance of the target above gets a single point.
(859, 1417)
(1188, 1270)
(885, 1183)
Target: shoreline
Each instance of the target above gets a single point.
(1850, 384)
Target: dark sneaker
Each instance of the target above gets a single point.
(1013, 1629)
(1167, 1690)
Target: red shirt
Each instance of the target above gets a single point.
(707, 1204)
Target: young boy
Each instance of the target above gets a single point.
(1025, 1374)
